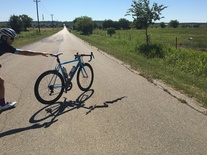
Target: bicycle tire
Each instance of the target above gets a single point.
(44, 91)
(84, 82)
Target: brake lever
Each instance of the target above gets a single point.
(91, 56)
(76, 55)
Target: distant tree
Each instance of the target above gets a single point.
(111, 31)
(108, 23)
(26, 21)
(95, 25)
(121, 24)
(15, 23)
(117, 25)
(174, 23)
(196, 26)
(124, 24)
(138, 24)
(75, 24)
(162, 25)
(143, 14)
(84, 24)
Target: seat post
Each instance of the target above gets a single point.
(58, 60)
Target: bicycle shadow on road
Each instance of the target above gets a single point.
(54, 110)
(59, 108)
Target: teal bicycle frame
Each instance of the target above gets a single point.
(78, 58)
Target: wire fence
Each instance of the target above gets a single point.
(180, 38)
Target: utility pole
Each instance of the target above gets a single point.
(52, 20)
(37, 13)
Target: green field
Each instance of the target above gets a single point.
(32, 35)
(181, 64)
(194, 38)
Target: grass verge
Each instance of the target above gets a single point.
(30, 36)
(128, 50)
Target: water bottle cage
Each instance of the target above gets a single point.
(72, 71)
(65, 72)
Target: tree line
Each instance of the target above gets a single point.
(84, 24)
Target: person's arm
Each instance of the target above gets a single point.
(32, 53)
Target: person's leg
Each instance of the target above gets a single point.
(4, 105)
(2, 92)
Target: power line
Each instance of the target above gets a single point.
(44, 9)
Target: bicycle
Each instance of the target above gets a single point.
(51, 84)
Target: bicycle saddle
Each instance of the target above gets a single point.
(56, 55)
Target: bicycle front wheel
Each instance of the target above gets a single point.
(85, 77)
(49, 87)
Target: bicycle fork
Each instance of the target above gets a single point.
(83, 72)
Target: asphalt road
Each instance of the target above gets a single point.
(123, 113)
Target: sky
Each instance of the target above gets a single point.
(68, 10)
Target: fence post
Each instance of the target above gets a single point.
(176, 42)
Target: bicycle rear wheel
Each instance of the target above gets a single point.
(49, 87)
(85, 77)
